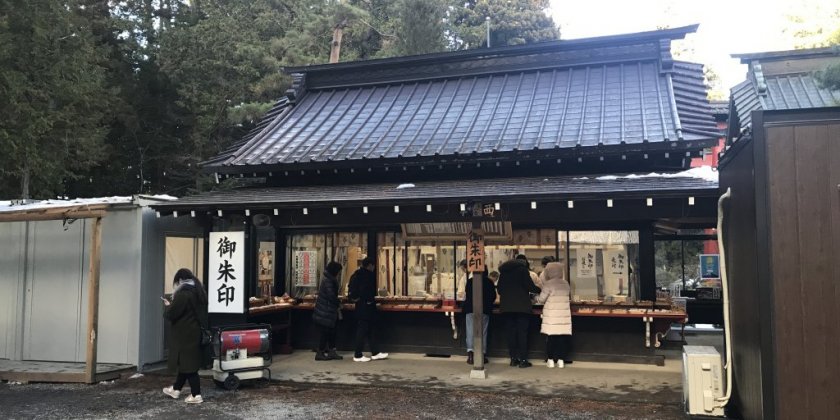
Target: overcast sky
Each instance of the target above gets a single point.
(726, 26)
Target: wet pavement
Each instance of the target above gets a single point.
(142, 398)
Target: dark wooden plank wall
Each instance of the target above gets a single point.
(803, 205)
(740, 235)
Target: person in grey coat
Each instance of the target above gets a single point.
(556, 315)
(326, 314)
(187, 313)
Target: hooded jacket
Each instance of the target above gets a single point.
(515, 286)
(557, 315)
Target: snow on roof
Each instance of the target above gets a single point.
(701, 172)
(17, 205)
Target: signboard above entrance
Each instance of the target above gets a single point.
(455, 231)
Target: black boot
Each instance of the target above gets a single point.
(514, 362)
(321, 356)
(470, 358)
(524, 364)
(334, 356)
(486, 360)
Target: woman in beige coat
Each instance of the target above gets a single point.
(556, 315)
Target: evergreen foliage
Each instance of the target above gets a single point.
(102, 97)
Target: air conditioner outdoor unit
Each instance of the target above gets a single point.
(702, 380)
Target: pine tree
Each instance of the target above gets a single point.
(53, 96)
(512, 22)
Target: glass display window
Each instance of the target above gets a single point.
(603, 265)
(307, 255)
(536, 244)
(390, 257)
(430, 268)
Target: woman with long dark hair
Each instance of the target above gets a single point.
(187, 313)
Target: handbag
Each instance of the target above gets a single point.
(206, 337)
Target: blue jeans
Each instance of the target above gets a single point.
(470, 332)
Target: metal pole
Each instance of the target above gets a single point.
(487, 21)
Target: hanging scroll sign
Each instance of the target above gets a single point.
(226, 283)
(475, 251)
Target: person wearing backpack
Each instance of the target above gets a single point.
(187, 313)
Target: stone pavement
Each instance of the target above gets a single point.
(580, 380)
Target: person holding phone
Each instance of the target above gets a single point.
(187, 313)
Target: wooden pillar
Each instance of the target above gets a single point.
(93, 301)
(478, 317)
(647, 264)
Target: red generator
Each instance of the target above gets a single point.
(243, 352)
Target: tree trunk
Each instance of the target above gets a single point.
(335, 49)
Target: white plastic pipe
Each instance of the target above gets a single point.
(725, 286)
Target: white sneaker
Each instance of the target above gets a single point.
(550, 363)
(172, 392)
(361, 359)
(560, 364)
(379, 356)
(194, 399)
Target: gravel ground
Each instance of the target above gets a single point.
(142, 398)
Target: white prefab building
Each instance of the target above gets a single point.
(44, 273)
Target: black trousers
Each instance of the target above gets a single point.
(327, 341)
(517, 335)
(195, 382)
(364, 331)
(557, 347)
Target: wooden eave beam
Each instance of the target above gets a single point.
(61, 213)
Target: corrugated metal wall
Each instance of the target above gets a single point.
(44, 309)
(43, 304)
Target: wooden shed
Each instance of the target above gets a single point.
(782, 236)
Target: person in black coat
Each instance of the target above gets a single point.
(362, 291)
(488, 292)
(327, 312)
(515, 288)
(188, 313)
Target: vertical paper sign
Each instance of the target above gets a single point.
(615, 272)
(475, 251)
(305, 268)
(586, 263)
(226, 279)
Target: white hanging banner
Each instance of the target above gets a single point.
(305, 268)
(226, 277)
(615, 272)
(586, 263)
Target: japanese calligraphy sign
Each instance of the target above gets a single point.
(615, 272)
(586, 263)
(305, 268)
(475, 251)
(226, 273)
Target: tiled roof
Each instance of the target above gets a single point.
(790, 85)
(553, 187)
(549, 98)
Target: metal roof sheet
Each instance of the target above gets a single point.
(782, 88)
(596, 105)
